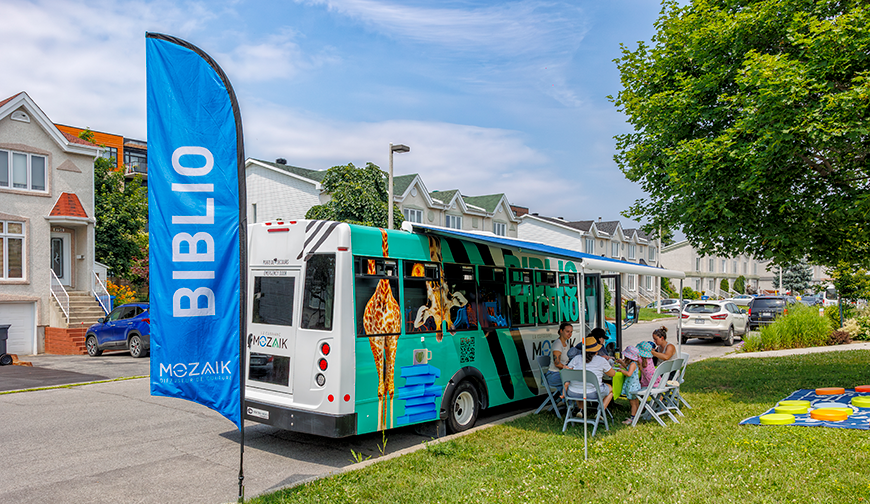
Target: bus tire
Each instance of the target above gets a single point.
(464, 407)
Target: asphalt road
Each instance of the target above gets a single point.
(698, 349)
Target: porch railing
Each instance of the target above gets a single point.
(60, 295)
(102, 295)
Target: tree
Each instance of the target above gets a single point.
(121, 210)
(668, 289)
(740, 285)
(688, 293)
(852, 282)
(751, 127)
(723, 285)
(358, 196)
(795, 278)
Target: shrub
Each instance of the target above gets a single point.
(688, 293)
(799, 328)
(858, 328)
(122, 293)
(839, 338)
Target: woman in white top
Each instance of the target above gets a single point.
(599, 366)
(559, 354)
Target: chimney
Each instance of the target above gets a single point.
(560, 218)
(599, 219)
(281, 161)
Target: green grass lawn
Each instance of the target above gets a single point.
(645, 314)
(707, 458)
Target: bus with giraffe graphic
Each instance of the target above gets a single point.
(354, 329)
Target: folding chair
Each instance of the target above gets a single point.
(651, 404)
(571, 399)
(671, 397)
(681, 374)
(544, 364)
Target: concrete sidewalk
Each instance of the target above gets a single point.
(800, 351)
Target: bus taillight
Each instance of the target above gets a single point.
(322, 364)
(277, 230)
(320, 379)
(324, 348)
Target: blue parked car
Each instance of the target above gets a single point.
(127, 327)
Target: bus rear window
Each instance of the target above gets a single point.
(273, 300)
(422, 297)
(461, 296)
(319, 294)
(493, 303)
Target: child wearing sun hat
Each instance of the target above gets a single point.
(647, 369)
(630, 367)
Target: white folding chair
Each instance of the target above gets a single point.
(571, 399)
(671, 397)
(651, 404)
(552, 392)
(681, 374)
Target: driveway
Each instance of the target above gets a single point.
(50, 370)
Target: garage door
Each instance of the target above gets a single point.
(21, 334)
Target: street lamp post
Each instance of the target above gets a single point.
(393, 148)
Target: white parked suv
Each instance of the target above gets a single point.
(713, 319)
(671, 305)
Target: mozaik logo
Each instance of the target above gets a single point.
(270, 342)
(195, 371)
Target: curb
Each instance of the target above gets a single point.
(799, 351)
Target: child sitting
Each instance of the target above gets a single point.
(629, 367)
(647, 369)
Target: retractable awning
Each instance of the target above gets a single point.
(589, 261)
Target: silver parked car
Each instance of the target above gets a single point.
(669, 305)
(713, 319)
(741, 299)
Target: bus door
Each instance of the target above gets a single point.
(272, 328)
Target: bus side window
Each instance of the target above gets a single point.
(493, 302)
(273, 300)
(377, 282)
(461, 296)
(318, 298)
(546, 303)
(422, 297)
(569, 307)
(522, 303)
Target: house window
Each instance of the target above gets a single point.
(111, 153)
(697, 284)
(136, 162)
(590, 246)
(614, 249)
(734, 266)
(724, 266)
(453, 221)
(697, 264)
(744, 268)
(652, 253)
(499, 228)
(19, 170)
(632, 282)
(413, 215)
(711, 265)
(631, 249)
(648, 281)
(254, 211)
(11, 250)
(712, 285)
(754, 268)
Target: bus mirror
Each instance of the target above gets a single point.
(631, 310)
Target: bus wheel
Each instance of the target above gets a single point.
(464, 407)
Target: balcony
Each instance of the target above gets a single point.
(138, 169)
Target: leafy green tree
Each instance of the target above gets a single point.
(121, 210)
(358, 196)
(740, 285)
(688, 293)
(795, 278)
(668, 289)
(87, 135)
(723, 285)
(852, 281)
(752, 127)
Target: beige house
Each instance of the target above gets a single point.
(46, 225)
(278, 190)
(705, 273)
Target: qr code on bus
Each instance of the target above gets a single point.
(466, 350)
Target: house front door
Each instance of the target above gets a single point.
(60, 256)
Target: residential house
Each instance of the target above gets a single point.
(46, 229)
(128, 153)
(705, 273)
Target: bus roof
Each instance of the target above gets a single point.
(588, 261)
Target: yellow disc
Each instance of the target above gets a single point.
(794, 402)
(829, 414)
(861, 401)
(792, 410)
(830, 391)
(776, 419)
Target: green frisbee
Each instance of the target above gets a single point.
(861, 401)
(794, 402)
(792, 410)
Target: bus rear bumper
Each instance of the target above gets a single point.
(308, 422)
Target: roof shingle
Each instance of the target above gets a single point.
(68, 205)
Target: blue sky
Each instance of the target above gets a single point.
(490, 96)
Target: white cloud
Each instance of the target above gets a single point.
(276, 57)
(472, 159)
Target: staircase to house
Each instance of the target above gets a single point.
(84, 310)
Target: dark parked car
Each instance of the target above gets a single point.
(127, 327)
(764, 310)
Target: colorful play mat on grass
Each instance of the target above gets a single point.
(828, 407)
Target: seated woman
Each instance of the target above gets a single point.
(559, 355)
(663, 350)
(599, 367)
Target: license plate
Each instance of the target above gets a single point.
(765, 314)
(699, 321)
